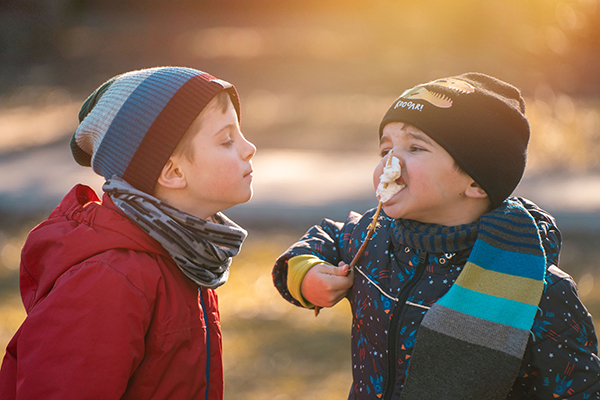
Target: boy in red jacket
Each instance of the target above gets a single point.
(119, 291)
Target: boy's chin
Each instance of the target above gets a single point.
(391, 211)
(235, 202)
(243, 199)
(249, 196)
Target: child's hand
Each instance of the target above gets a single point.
(324, 285)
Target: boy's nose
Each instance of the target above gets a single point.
(398, 155)
(392, 153)
(249, 149)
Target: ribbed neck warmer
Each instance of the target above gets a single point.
(433, 238)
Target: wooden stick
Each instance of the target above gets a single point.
(370, 231)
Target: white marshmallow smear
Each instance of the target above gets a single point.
(388, 187)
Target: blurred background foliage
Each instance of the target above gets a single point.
(312, 74)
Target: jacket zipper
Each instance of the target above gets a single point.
(393, 330)
(207, 342)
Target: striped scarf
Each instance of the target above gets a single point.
(471, 342)
(201, 249)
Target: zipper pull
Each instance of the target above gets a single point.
(422, 258)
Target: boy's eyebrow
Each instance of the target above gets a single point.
(410, 134)
(419, 136)
(384, 139)
(226, 127)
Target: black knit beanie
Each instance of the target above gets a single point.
(479, 120)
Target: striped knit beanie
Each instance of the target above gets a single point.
(130, 126)
(479, 120)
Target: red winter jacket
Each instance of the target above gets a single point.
(109, 314)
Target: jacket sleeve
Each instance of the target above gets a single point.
(561, 360)
(86, 338)
(325, 241)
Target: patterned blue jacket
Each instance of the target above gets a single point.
(407, 267)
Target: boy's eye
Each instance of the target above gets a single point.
(228, 143)
(384, 152)
(414, 149)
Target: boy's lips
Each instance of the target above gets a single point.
(249, 173)
(399, 182)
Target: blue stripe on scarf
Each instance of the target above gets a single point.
(525, 265)
(496, 309)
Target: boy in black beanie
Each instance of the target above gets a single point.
(457, 295)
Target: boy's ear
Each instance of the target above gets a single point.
(475, 191)
(172, 176)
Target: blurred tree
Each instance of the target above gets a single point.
(550, 42)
